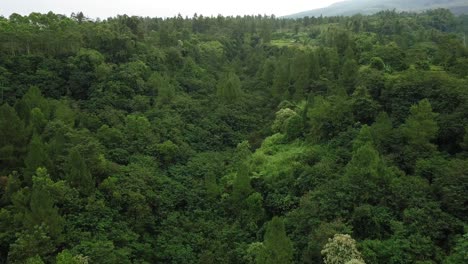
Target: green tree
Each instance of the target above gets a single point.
(12, 136)
(419, 129)
(300, 75)
(451, 183)
(366, 175)
(83, 72)
(349, 75)
(36, 157)
(459, 254)
(32, 99)
(277, 247)
(319, 238)
(42, 210)
(421, 126)
(31, 244)
(267, 72)
(464, 144)
(254, 211)
(365, 136)
(164, 88)
(364, 107)
(37, 121)
(281, 82)
(139, 134)
(212, 188)
(66, 257)
(382, 132)
(34, 260)
(314, 66)
(377, 63)
(266, 31)
(13, 185)
(229, 87)
(241, 187)
(78, 174)
(393, 56)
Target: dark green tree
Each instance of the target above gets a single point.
(241, 187)
(12, 136)
(78, 174)
(36, 157)
(349, 75)
(421, 126)
(42, 210)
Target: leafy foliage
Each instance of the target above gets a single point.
(248, 139)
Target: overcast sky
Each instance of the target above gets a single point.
(160, 8)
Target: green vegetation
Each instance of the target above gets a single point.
(234, 139)
(369, 7)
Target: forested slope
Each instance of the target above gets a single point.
(369, 7)
(234, 139)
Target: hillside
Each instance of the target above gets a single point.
(367, 7)
(246, 140)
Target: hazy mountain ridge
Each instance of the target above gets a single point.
(367, 7)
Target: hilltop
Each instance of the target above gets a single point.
(367, 7)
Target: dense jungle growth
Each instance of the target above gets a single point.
(248, 139)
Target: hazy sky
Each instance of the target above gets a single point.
(161, 8)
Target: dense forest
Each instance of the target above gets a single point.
(249, 139)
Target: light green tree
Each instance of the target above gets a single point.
(34, 260)
(66, 257)
(32, 99)
(37, 120)
(229, 87)
(277, 247)
(162, 85)
(421, 126)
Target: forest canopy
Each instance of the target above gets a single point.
(249, 139)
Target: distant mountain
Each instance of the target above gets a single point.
(367, 7)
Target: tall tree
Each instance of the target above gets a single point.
(36, 157)
(241, 187)
(37, 121)
(277, 247)
(281, 82)
(78, 174)
(32, 99)
(365, 109)
(419, 129)
(349, 75)
(300, 75)
(421, 126)
(229, 87)
(11, 136)
(42, 210)
(212, 188)
(163, 86)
